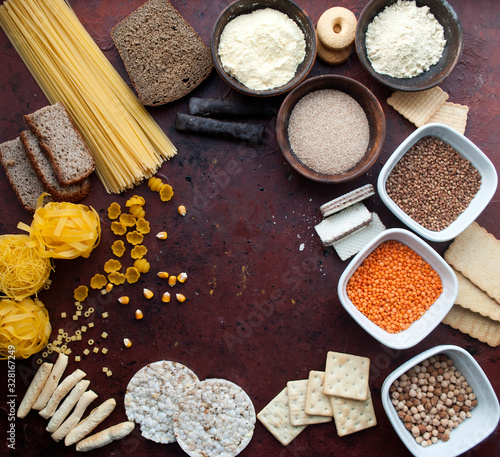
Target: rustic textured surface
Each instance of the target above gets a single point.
(260, 311)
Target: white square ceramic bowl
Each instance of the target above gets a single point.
(468, 150)
(431, 318)
(472, 431)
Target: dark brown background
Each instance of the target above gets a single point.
(260, 312)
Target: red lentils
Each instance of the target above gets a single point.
(433, 183)
(394, 286)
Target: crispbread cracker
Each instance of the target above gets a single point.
(476, 254)
(346, 376)
(473, 324)
(418, 107)
(275, 416)
(451, 114)
(317, 403)
(297, 391)
(353, 243)
(473, 298)
(352, 415)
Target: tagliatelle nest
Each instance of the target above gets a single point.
(24, 325)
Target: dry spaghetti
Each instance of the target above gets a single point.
(24, 325)
(22, 271)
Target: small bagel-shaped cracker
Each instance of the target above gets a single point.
(331, 57)
(337, 28)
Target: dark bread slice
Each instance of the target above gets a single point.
(164, 57)
(62, 143)
(41, 164)
(20, 173)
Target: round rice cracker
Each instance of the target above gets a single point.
(215, 418)
(151, 398)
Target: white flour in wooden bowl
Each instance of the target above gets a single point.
(404, 40)
(262, 49)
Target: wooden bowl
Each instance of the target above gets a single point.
(453, 34)
(293, 11)
(363, 96)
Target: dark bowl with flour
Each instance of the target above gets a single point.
(437, 73)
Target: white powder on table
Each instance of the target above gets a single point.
(404, 40)
(328, 131)
(262, 49)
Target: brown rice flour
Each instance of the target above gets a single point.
(404, 40)
(328, 131)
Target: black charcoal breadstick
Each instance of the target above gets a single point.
(231, 107)
(253, 133)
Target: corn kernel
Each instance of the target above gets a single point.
(172, 280)
(86, 351)
(181, 210)
(124, 300)
(181, 277)
(63, 315)
(161, 235)
(138, 314)
(180, 298)
(77, 358)
(109, 287)
(148, 293)
(127, 343)
(104, 350)
(104, 334)
(163, 274)
(166, 297)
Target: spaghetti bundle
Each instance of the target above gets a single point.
(127, 143)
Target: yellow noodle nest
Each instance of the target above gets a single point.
(24, 325)
(64, 230)
(22, 271)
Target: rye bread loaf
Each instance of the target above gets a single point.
(163, 55)
(62, 143)
(41, 164)
(20, 173)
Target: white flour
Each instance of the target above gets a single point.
(404, 40)
(262, 49)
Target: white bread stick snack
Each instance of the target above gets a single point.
(116, 432)
(85, 426)
(60, 393)
(346, 200)
(51, 384)
(34, 389)
(343, 223)
(85, 400)
(67, 405)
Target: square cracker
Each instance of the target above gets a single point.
(275, 416)
(476, 254)
(473, 298)
(473, 324)
(353, 415)
(451, 114)
(346, 376)
(317, 403)
(297, 391)
(418, 107)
